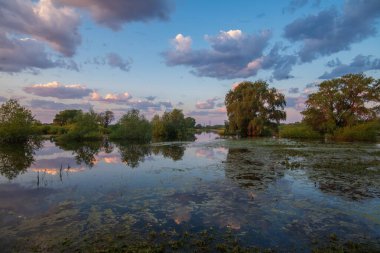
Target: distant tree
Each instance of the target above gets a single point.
(253, 109)
(85, 126)
(190, 122)
(16, 122)
(66, 117)
(132, 126)
(342, 102)
(171, 126)
(106, 118)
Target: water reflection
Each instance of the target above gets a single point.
(174, 152)
(85, 152)
(255, 191)
(253, 168)
(17, 158)
(133, 154)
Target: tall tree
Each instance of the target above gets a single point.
(342, 102)
(253, 109)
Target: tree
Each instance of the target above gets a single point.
(132, 126)
(253, 109)
(106, 118)
(16, 122)
(85, 126)
(171, 126)
(66, 117)
(190, 122)
(342, 102)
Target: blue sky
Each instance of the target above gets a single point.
(156, 55)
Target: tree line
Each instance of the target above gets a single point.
(345, 108)
(17, 124)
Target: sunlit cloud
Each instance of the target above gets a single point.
(57, 90)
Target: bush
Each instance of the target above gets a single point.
(132, 126)
(298, 131)
(362, 132)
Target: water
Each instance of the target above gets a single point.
(208, 194)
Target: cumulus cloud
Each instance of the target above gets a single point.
(27, 54)
(233, 54)
(359, 64)
(58, 90)
(117, 12)
(26, 27)
(208, 104)
(43, 21)
(331, 31)
(293, 90)
(182, 43)
(116, 98)
(127, 100)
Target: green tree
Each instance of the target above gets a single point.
(16, 122)
(66, 117)
(190, 122)
(171, 126)
(343, 102)
(85, 127)
(253, 109)
(106, 118)
(132, 126)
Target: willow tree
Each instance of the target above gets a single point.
(342, 102)
(254, 109)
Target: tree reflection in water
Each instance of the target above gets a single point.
(132, 154)
(174, 152)
(85, 152)
(17, 158)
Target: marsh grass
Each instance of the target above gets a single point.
(298, 131)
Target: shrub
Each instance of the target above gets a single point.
(298, 131)
(366, 131)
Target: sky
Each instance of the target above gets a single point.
(157, 55)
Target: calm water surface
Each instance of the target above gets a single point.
(268, 193)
